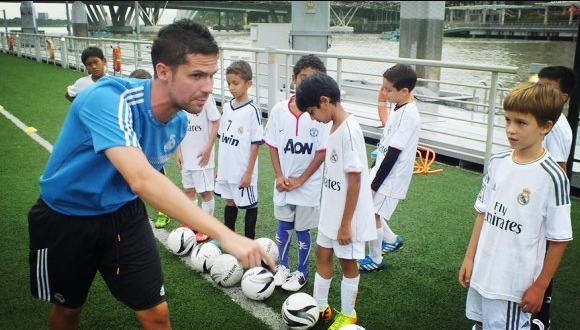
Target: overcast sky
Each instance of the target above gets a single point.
(58, 11)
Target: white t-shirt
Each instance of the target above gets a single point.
(401, 132)
(297, 139)
(559, 140)
(524, 205)
(239, 128)
(81, 83)
(197, 136)
(346, 153)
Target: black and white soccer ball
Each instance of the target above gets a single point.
(226, 271)
(203, 255)
(181, 240)
(258, 283)
(269, 246)
(300, 311)
(352, 327)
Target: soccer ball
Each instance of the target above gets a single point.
(203, 256)
(270, 246)
(181, 240)
(300, 311)
(226, 271)
(258, 283)
(352, 327)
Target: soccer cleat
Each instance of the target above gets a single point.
(539, 325)
(161, 221)
(326, 314)
(281, 275)
(341, 320)
(393, 247)
(368, 265)
(200, 237)
(295, 281)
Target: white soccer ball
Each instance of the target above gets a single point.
(352, 327)
(203, 256)
(258, 283)
(270, 246)
(226, 271)
(181, 240)
(300, 311)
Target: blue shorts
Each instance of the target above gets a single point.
(67, 251)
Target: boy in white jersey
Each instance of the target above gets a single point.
(524, 201)
(559, 143)
(240, 133)
(297, 149)
(391, 175)
(95, 62)
(341, 230)
(195, 157)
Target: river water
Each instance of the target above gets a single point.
(505, 52)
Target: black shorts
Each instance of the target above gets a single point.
(66, 252)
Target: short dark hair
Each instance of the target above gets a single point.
(90, 52)
(141, 74)
(309, 61)
(402, 76)
(565, 77)
(241, 68)
(315, 86)
(176, 40)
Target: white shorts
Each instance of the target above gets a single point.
(200, 180)
(384, 206)
(245, 198)
(304, 217)
(354, 250)
(495, 314)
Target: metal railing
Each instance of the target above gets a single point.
(449, 118)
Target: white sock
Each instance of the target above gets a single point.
(388, 235)
(376, 246)
(348, 293)
(208, 206)
(320, 292)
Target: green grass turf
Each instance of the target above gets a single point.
(417, 290)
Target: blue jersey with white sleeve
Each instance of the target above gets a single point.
(79, 179)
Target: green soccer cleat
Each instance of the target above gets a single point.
(340, 320)
(161, 221)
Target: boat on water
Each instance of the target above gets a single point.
(394, 35)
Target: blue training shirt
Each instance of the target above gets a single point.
(79, 179)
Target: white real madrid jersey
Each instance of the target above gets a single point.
(240, 127)
(297, 138)
(401, 132)
(559, 140)
(346, 153)
(197, 136)
(524, 205)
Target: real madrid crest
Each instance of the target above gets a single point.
(524, 196)
(333, 156)
(241, 130)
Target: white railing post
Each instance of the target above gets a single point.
(490, 118)
(272, 77)
(63, 53)
(37, 48)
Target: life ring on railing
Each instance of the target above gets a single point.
(117, 58)
(11, 43)
(382, 106)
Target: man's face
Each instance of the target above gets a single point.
(191, 83)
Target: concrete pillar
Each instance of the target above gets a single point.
(422, 36)
(546, 15)
(310, 26)
(28, 16)
(80, 22)
(502, 19)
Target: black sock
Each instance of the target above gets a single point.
(230, 216)
(251, 219)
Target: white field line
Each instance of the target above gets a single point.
(256, 308)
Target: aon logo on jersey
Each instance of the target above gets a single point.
(298, 147)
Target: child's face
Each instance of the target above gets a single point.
(302, 75)
(394, 95)
(238, 86)
(323, 113)
(523, 131)
(95, 66)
